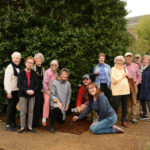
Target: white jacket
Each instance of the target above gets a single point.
(10, 81)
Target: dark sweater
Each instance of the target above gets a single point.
(101, 106)
(23, 83)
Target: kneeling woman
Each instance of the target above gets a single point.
(28, 86)
(106, 115)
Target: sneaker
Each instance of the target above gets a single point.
(117, 129)
(143, 117)
(52, 130)
(10, 128)
(134, 120)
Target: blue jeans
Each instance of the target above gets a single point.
(104, 126)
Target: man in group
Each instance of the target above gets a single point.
(137, 59)
(82, 101)
(133, 72)
(59, 98)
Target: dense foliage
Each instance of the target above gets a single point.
(71, 31)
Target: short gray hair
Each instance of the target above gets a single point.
(14, 54)
(119, 57)
(40, 55)
(54, 61)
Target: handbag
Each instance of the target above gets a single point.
(131, 83)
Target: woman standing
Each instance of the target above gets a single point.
(120, 87)
(50, 75)
(10, 86)
(106, 115)
(145, 86)
(103, 78)
(28, 86)
(39, 60)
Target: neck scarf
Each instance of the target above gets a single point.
(14, 68)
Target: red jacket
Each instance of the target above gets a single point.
(81, 95)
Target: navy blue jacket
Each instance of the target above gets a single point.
(101, 106)
(145, 86)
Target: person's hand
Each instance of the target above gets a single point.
(94, 123)
(79, 109)
(9, 96)
(59, 105)
(83, 107)
(30, 92)
(66, 107)
(75, 118)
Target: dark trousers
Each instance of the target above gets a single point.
(124, 103)
(143, 104)
(104, 88)
(37, 108)
(11, 109)
(56, 115)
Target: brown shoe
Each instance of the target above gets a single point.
(124, 124)
(44, 124)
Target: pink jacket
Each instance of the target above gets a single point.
(49, 76)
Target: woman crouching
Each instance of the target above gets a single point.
(106, 115)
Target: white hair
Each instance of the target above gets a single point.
(15, 54)
(146, 56)
(119, 57)
(39, 55)
(54, 61)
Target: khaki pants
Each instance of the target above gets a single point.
(134, 104)
(24, 103)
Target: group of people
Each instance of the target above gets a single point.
(27, 88)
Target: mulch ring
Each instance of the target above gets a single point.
(69, 126)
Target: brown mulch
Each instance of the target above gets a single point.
(69, 126)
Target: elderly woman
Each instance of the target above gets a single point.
(103, 78)
(50, 75)
(39, 59)
(10, 86)
(144, 95)
(28, 86)
(120, 87)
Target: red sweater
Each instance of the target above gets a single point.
(81, 93)
(28, 74)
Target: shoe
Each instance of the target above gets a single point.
(21, 130)
(32, 130)
(15, 126)
(10, 128)
(124, 123)
(52, 130)
(44, 124)
(134, 120)
(117, 129)
(148, 119)
(144, 117)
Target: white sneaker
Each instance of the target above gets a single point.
(117, 129)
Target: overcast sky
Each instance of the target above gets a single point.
(138, 7)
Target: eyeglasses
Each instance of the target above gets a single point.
(92, 88)
(54, 65)
(30, 62)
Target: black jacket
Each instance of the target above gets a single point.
(23, 83)
(145, 86)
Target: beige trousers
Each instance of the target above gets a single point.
(134, 104)
(26, 106)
